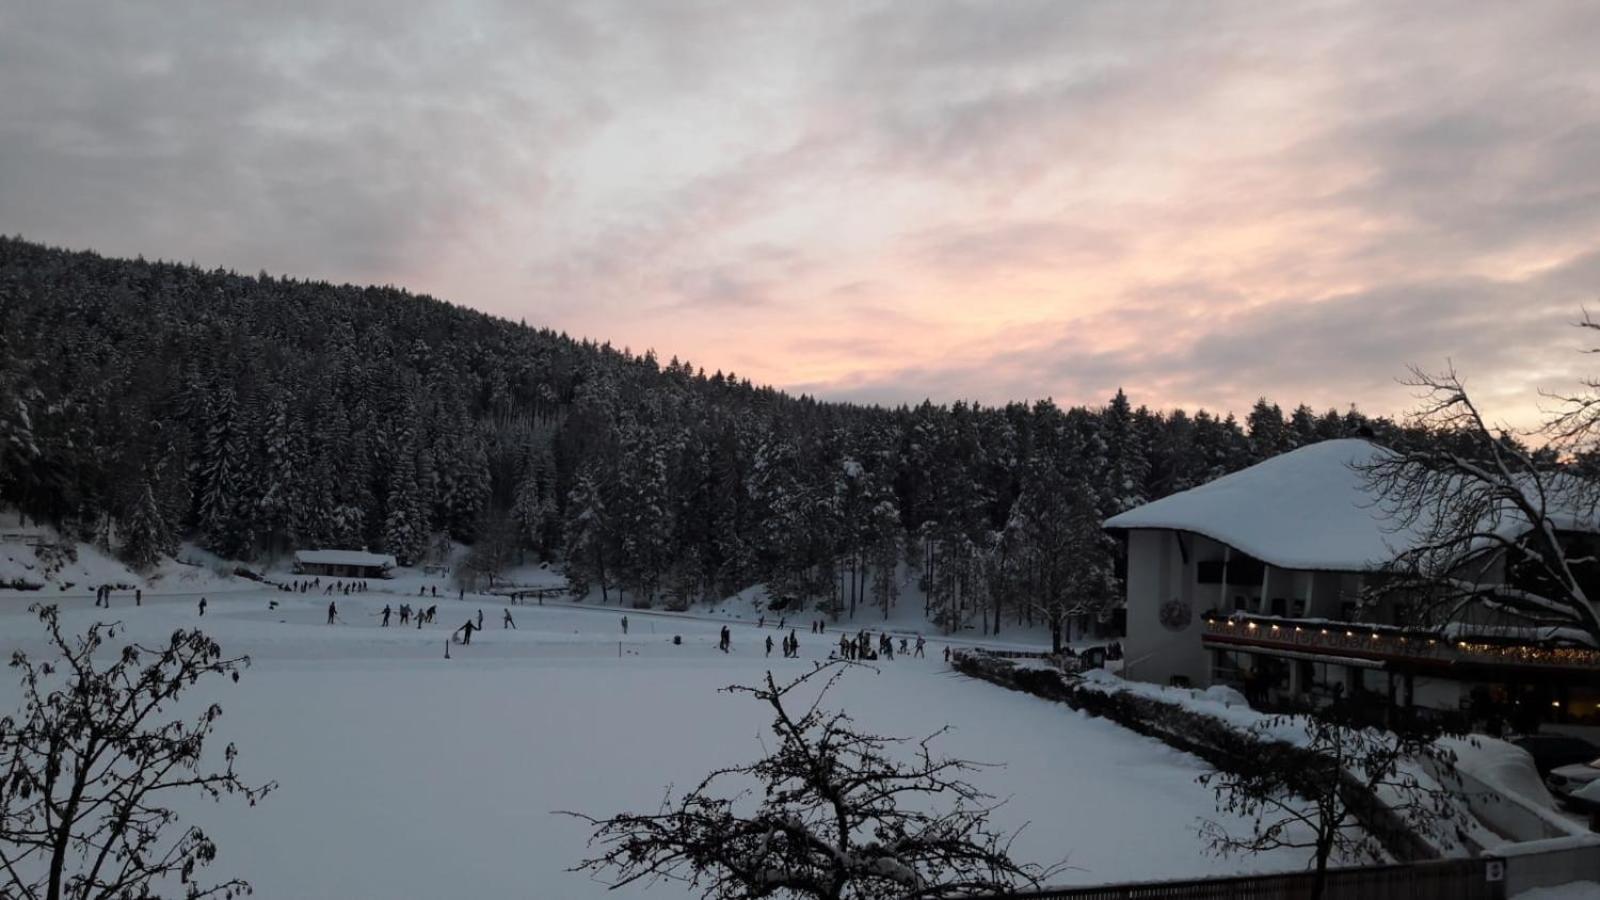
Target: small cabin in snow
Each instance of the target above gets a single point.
(344, 563)
(1259, 580)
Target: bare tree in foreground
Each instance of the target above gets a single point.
(832, 814)
(1290, 804)
(88, 763)
(1480, 517)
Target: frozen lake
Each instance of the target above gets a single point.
(404, 774)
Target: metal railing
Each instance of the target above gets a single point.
(1356, 639)
(1480, 878)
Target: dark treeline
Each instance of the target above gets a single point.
(145, 402)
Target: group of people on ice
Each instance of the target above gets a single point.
(423, 616)
(861, 646)
(464, 633)
(817, 625)
(791, 644)
(310, 585)
(102, 596)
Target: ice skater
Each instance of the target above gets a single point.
(202, 606)
(386, 616)
(920, 644)
(480, 620)
(727, 639)
(466, 632)
(333, 612)
(769, 646)
(624, 624)
(508, 622)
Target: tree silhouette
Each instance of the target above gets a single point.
(832, 813)
(91, 758)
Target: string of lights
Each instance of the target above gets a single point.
(1355, 637)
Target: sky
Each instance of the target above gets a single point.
(1200, 203)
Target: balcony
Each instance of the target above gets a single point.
(1405, 648)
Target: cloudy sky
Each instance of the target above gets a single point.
(1201, 203)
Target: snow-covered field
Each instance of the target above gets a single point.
(404, 774)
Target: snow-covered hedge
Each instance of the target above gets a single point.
(1221, 743)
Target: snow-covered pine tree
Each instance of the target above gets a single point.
(591, 542)
(1126, 461)
(221, 464)
(145, 532)
(1268, 434)
(640, 509)
(405, 528)
(281, 510)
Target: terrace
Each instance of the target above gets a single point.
(1383, 646)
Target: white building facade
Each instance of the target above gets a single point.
(1258, 580)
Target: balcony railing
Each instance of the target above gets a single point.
(1382, 642)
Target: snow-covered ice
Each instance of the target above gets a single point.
(404, 774)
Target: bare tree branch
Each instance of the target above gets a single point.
(87, 763)
(831, 813)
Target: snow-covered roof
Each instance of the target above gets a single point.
(344, 558)
(1310, 508)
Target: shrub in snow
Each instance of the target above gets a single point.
(1311, 799)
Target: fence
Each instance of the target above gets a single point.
(1459, 879)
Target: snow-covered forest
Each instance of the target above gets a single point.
(142, 403)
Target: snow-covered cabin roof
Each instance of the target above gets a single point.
(1310, 508)
(344, 558)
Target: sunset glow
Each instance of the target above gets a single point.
(1201, 204)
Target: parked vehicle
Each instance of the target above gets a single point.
(1564, 781)
(1553, 751)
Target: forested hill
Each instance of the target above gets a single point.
(143, 402)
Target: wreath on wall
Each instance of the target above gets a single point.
(1176, 615)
